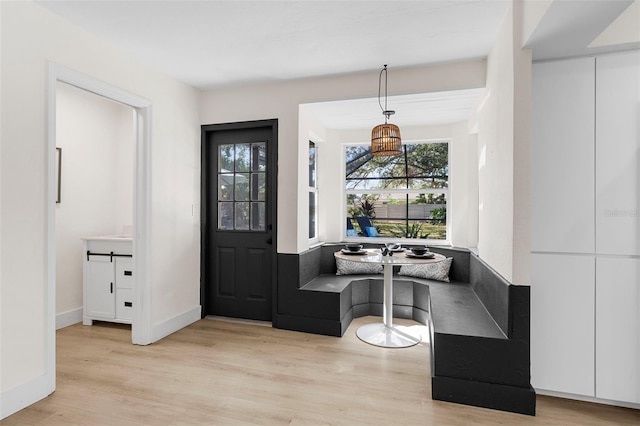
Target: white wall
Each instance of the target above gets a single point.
(281, 101)
(97, 140)
(31, 37)
(463, 197)
(504, 155)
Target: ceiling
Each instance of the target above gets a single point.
(209, 44)
(422, 109)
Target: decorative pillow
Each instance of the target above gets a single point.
(438, 271)
(371, 231)
(348, 267)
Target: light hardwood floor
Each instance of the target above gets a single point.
(217, 372)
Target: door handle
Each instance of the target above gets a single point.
(269, 240)
(111, 288)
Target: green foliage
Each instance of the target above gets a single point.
(368, 208)
(439, 215)
(430, 199)
(414, 230)
(354, 212)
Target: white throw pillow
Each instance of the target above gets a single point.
(438, 271)
(348, 267)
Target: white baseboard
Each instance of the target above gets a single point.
(15, 399)
(176, 323)
(65, 319)
(587, 398)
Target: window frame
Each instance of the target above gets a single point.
(314, 190)
(436, 191)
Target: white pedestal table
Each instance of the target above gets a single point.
(386, 334)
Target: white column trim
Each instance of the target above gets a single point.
(141, 327)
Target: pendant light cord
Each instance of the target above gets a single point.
(384, 110)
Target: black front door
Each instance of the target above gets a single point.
(238, 232)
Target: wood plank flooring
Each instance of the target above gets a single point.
(217, 372)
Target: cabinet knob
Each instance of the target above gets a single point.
(128, 273)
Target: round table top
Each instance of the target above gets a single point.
(398, 258)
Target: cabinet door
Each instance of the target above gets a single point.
(618, 329)
(618, 153)
(563, 149)
(124, 272)
(562, 318)
(99, 288)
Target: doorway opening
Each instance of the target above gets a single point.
(141, 318)
(94, 203)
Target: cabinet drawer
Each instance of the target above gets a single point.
(124, 272)
(124, 304)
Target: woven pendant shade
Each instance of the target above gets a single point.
(385, 140)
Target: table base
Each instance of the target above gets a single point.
(388, 337)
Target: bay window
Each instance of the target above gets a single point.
(403, 196)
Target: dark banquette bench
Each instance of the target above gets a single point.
(479, 323)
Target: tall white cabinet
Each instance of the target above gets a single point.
(108, 279)
(585, 279)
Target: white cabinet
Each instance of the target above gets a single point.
(618, 329)
(108, 280)
(562, 318)
(585, 278)
(562, 156)
(618, 154)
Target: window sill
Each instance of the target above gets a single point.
(402, 241)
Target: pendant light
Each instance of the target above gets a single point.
(385, 138)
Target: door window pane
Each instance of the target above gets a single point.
(258, 217)
(225, 186)
(243, 157)
(242, 216)
(258, 157)
(225, 215)
(226, 154)
(258, 186)
(242, 186)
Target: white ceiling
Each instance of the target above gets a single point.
(423, 109)
(209, 44)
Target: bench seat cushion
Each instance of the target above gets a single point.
(456, 309)
(334, 283)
